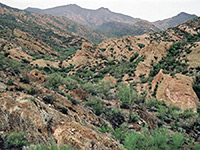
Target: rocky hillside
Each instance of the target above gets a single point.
(57, 89)
(60, 24)
(174, 21)
(170, 50)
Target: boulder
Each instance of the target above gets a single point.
(37, 76)
(175, 90)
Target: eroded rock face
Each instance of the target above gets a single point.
(37, 76)
(175, 90)
(82, 137)
(44, 63)
(39, 122)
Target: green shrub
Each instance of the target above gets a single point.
(196, 88)
(31, 91)
(144, 80)
(134, 141)
(55, 80)
(188, 113)
(104, 128)
(132, 58)
(103, 88)
(25, 79)
(115, 117)
(158, 139)
(53, 146)
(30, 99)
(119, 133)
(70, 83)
(177, 139)
(140, 45)
(197, 147)
(97, 105)
(10, 82)
(49, 99)
(15, 140)
(154, 103)
(74, 101)
(124, 95)
(90, 88)
(133, 118)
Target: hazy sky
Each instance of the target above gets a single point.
(145, 9)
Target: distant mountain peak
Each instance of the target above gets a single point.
(73, 5)
(174, 21)
(183, 13)
(103, 9)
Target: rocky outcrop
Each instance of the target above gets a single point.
(37, 76)
(193, 57)
(65, 123)
(175, 90)
(2, 87)
(44, 63)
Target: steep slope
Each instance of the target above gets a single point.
(174, 21)
(138, 59)
(116, 29)
(62, 24)
(88, 17)
(28, 105)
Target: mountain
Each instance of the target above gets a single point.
(63, 24)
(57, 89)
(87, 17)
(110, 23)
(174, 21)
(102, 19)
(116, 29)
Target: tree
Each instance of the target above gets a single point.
(133, 97)
(128, 96)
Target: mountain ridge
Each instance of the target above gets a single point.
(116, 24)
(87, 12)
(173, 21)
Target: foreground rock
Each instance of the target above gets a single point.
(40, 123)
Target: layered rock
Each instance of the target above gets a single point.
(175, 90)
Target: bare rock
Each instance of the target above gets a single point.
(37, 76)
(177, 91)
(79, 94)
(39, 122)
(2, 87)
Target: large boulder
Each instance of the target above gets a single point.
(175, 90)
